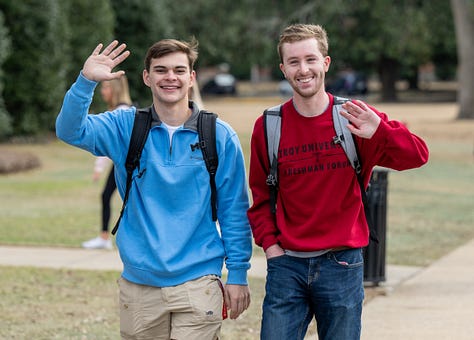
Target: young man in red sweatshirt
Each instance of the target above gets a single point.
(314, 242)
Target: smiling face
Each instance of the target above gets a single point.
(169, 78)
(304, 66)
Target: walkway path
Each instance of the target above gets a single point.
(436, 303)
(78, 258)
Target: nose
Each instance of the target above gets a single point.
(171, 75)
(303, 67)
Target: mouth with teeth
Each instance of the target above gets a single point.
(304, 80)
(170, 87)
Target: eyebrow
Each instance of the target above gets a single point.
(177, 67)
(311, 55)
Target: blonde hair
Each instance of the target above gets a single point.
(120, 92)
(298, 32)
(195, 95)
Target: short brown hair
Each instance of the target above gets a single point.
(167, 46)
(298, 32)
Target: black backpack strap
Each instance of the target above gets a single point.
(207, 143)
(272, 130)
(365, 200)
(345, 138)
(141, 128)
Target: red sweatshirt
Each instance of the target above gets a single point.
(319, 203)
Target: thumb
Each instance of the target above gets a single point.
(227, 299)
(114, 75)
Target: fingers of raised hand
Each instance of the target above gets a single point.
(110, 48)
(97, 49)
(355, 108)
(121, 57)
(364, 121)
(107, 50)
(99, 65)
(113, 51)
(119, 52)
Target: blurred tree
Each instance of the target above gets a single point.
(263, 27)
(273, 16)
(35, 71)
(84, 32)
(139, 24)
(374, 36)
(463, 11)
(381, 35)
(443, 44)
(51, 39)
(243, 34)
(5, 119)
(219, 26)
(390, 39)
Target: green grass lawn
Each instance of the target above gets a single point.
(75, 304)
(431, 209)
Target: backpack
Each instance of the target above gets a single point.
(272, 130)
(207, 144)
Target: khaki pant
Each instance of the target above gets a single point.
(192, 310)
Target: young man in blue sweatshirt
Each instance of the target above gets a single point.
(171, 249)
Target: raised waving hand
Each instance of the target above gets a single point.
(99, 65)
(364, 121)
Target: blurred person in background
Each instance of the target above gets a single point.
(116, 95)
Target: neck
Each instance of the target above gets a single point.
(175, 114)
(311, 106)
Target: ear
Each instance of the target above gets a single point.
(327, 63)
(282, 69)
(146, 78)
(192, 79)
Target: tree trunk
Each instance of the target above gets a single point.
(388, 73)
(463, 11)
(413, 78)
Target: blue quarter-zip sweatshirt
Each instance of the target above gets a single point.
(167, 236)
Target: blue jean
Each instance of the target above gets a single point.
(329, 287)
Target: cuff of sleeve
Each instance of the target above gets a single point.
(269, 241)
(380, 133)
(84, 85)
(237, 277)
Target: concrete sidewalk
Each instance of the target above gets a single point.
(78, 258)
(436, 303)
(430, 303)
